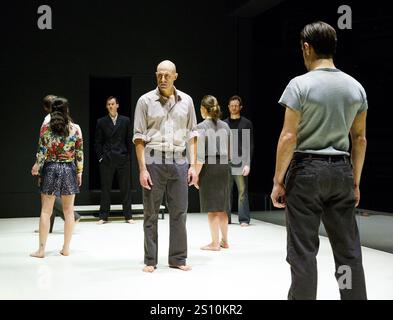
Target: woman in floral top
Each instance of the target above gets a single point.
(60, 165)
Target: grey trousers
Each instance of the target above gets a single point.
(170, 179)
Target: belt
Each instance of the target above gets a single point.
(323, 157)
(166, 154)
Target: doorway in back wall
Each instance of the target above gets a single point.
(101, 88)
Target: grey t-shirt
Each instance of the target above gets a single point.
(213, 140)
(328, 100)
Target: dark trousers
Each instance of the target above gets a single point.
(242, 203)
(170, 179)
(108, 169)
(322, 188)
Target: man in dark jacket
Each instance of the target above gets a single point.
(113, 141)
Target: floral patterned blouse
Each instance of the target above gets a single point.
(54, 148)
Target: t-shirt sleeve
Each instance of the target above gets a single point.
(291, 96)
(364, 105)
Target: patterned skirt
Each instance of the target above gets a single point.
(59, 178)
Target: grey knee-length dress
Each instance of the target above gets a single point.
(213, 150)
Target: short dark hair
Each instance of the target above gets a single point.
(235, 97)
(322, 37)
(112, 97)
(47, 102)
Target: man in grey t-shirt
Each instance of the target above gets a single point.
(322, 107)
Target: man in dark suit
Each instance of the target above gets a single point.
(113, 142)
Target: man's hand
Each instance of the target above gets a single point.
(145, 180)
(79, 179)
(246, 171)
(34, 170)
(192, 177)
(357, 195)
(278, 195)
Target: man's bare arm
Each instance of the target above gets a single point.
(285, 149)
(286, 144)
(144, 176)
(358, 152)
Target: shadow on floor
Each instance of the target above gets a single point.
(376, 228)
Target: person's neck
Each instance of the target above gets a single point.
(235, 116)
(322, 63)
(167, 93)
(113, 115)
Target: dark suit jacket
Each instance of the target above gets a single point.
(113, 141)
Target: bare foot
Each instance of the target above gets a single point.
(224, 244)
(211, 247)
(130, 221)
(183, 267)
(149, 269)
(243, 224)
(64, 252)
(37, 254)
(102, 222)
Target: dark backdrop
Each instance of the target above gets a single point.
(220, 47)
(363, 52)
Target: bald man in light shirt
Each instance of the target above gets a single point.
(164, 125)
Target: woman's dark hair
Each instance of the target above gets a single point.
(211, 105)
(60, 118)
(322, 37)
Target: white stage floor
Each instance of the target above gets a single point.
(106, 262)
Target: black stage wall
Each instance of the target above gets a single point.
(100, 39)
(363, 52)
(220, 48)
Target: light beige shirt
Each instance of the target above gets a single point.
(165, 124)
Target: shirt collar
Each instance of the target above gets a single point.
(164, 100)
(114, 118)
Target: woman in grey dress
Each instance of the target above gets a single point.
(213, 169)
